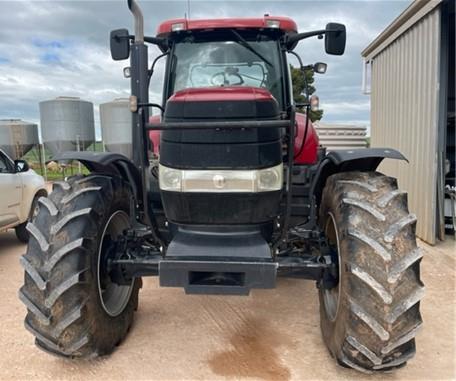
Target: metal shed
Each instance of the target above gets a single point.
(341, 136)
(409, 74)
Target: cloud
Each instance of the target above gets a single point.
(54, 48)
(49, 44)
(344, 108)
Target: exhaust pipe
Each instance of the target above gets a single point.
(139, 20)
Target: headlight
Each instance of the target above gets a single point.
(270, 179)
(170, 179)
(221, 181)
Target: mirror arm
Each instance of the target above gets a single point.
(152, 67)
(292, 39)
(298, 57)
(130, 37)
(303, 71)
(162, 42)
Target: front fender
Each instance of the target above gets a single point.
(109, 163)
(366, 160)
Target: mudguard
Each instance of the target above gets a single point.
(366, 159)
(109, 163)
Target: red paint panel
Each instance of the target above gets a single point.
(154, 136)
(305, 152)
(234, 93)
(286, 24)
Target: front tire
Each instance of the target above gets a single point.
(369, 320)
(74, 310)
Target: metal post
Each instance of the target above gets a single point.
(43, 160)
(78, 148)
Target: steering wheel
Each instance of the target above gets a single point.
(229, 72)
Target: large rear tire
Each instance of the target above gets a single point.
(369, 320)
(74, 310)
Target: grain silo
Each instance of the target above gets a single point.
(67, 124)
(17, 137)
(115, 120)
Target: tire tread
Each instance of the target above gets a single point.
(383, 290)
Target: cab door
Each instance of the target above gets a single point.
(10, 192)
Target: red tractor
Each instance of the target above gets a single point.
(239, 194)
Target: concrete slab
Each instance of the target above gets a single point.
(270, 335)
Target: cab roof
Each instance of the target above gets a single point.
(285, 24)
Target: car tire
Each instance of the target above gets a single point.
(22, 233)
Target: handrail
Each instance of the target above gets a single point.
(216, 125)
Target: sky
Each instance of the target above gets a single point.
(61, 48)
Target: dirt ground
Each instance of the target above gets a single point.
(269, 335)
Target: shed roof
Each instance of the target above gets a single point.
(411, 15)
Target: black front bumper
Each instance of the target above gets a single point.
(229, 261)
(217, 278)
(218, 261)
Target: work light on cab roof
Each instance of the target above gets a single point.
(284, 24)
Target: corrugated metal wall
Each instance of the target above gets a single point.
(404, 106)
(339, 136)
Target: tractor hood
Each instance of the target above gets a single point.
(226, 103)
(201, 154)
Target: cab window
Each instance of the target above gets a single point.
(252, 60)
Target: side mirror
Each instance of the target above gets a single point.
(335, 38)
(120, 44)
(21, 166)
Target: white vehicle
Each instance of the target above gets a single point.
(20, 189)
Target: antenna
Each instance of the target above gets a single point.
(188, 8)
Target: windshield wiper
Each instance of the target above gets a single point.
(242, 41)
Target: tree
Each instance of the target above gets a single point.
(299, 87)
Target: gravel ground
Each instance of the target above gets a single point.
(270, 335)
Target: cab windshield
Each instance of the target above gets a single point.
(237, 60)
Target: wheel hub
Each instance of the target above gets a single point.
(114, 297)
(331, 296)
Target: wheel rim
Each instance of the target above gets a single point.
(114, 298)
(331, 297)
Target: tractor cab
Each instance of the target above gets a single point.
(228, 53)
